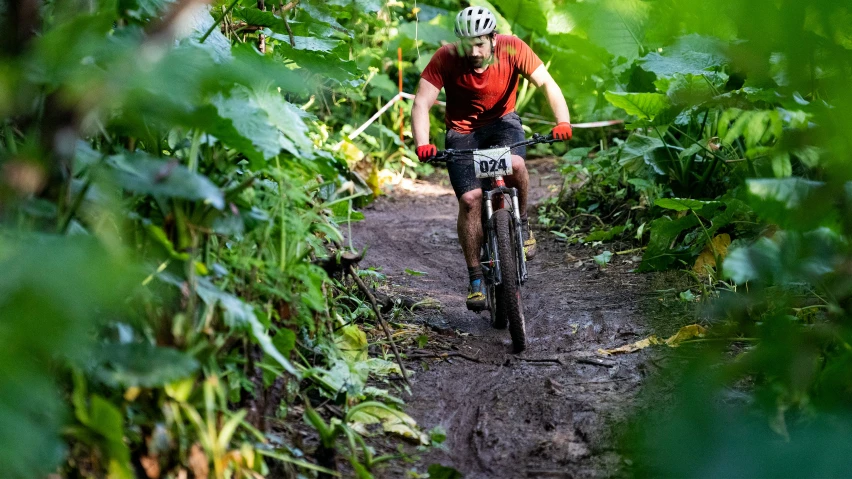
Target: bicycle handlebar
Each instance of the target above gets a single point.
(447, 155)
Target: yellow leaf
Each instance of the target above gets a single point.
(373, 180)
(632, 347)
(718, 247)
(394, 422)
(201, 269)
(350, 152)
(132, 393)
(686, 332)
(352, 342)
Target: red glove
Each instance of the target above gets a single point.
(562, 131)
(426, 152)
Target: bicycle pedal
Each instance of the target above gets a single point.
(477, 308)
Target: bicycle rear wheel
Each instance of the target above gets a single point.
(509, 291)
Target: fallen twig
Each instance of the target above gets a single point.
(616, 380)
(437, 355)
(542, 360)
(595, 362)
(380, 319)
(628, 251)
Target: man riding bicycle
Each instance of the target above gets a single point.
(480, 76)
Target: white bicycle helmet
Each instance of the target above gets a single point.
(474, 22)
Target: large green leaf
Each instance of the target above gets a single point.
(664, 231)
(430, 33)
(751, 263)
(682, 204)
(639, 145)
(256, 71)
(217, 43)
(756, 127)
(530, 14)
(145, 9)
(318, 19)
(789, 257)
(140, 173)
(256, 17)
(693, 54)
(789, 193)
(53, 292)
(692, 89)
(256, 138)
(240, 316)
(643, 105)
(636, 151)
(792, 203)
(694, 63)
(343, 375)
(615, 25)
(313, 61)
(107, 420)
(142, 365)
(289, 120)
(437, 471)
(263, 124)
(365, 6)
(314, 44)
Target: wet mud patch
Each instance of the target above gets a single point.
(544, 413)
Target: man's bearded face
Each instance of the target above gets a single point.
(477, 50)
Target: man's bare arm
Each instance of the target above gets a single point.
(426, 95)
(541, 79)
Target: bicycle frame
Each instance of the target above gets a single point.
(495, 199)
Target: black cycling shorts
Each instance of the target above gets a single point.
(505, 131)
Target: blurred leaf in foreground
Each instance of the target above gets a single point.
(53, 290)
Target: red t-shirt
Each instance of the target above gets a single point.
(477, 99)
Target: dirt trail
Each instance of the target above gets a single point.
(508, 416)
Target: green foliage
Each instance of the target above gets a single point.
(48, 311)
(141, 365)
(438, 471)
(166, 202)
(643, 105)
(166, 208)
(735, 114)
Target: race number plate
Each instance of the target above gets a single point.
(493, 162)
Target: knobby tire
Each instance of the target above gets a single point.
(498, 316)
(509, 291)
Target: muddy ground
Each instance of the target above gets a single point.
(544, 413)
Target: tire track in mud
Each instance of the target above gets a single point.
(507, 416)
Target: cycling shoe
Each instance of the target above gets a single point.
(476, 298)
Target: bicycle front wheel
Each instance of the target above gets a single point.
(509, 291)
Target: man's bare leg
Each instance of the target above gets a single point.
(470, 226)
(519, 179)
(470, 238)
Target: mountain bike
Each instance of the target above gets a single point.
(503, 261)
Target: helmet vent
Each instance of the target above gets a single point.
(475, 22)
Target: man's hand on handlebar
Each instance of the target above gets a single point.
(426, 152)
(562, 131)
